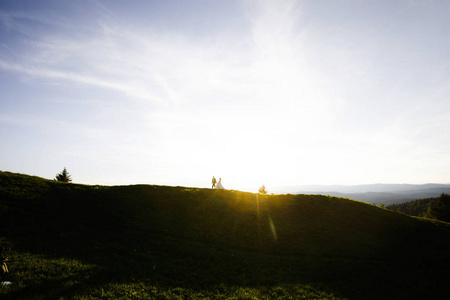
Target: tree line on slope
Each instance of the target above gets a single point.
(433, 208)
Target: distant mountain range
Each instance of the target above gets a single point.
(372, 193)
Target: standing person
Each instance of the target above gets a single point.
(4, 268)
(213, 182)
(219, 184)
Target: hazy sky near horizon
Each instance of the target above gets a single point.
(256, 92)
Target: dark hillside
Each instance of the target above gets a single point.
(145, 241)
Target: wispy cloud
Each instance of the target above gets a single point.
(72, 77)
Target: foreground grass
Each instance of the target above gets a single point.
(153, 242)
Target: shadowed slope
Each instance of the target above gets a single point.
(202, 239)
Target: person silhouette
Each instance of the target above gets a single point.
(219, 184)
(214, 181)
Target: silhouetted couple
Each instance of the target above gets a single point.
(219, 184)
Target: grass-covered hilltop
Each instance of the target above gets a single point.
(75, 241)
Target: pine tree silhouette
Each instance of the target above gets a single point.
(63, 176)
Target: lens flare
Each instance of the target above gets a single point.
(272, 228)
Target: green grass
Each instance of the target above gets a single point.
(76, 241)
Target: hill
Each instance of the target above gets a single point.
(144, 241)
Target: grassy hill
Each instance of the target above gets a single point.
(141, 242)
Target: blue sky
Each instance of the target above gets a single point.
(256, 92)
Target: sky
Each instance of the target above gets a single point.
(272, 92)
